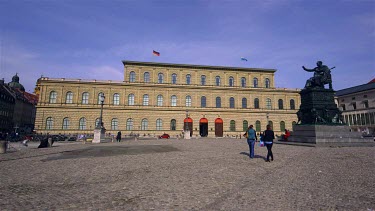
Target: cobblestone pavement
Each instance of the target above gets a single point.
(196, 174)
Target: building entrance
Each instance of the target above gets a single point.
(218, 127)
(188, 123)
(203, 127)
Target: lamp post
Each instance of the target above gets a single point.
(101, 99)
(267, 115)
(99, 129)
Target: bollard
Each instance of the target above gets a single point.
(3, 147)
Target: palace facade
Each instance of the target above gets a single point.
(157, 98)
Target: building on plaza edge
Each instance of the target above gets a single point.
(157, 98)
(357, 104)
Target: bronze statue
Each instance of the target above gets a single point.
(322, 76)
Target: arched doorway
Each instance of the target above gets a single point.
(203, 127)
(218, 127)
(188, 123)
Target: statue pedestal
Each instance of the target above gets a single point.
(318, 106)
(187, 134)
(328, 135)
(99, 136)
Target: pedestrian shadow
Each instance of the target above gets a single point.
(255, 156)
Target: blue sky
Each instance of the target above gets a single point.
(89, 39)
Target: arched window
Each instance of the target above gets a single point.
(160, 78)
(267, 83)
(145, 100)
(49, 123)
(85, 98)
(188, 101)
(69, 98)
(144, 124)
(218, 102)
(245, 125)
(132, 76)
(256, 103)
(255, 81)
(66, 122)
(52, 97)
(114, 124)
(174, 78)
(232, 126)
(231, 81)
(282, 126)
(99, 97)
(243, 82)
(231, 102)
(203, 80)
(244, 102)
(160, 100)
(218, 81)
(292, 105)
(268, 103)
(116, 99)
(159, 124)
(173, 100)
(146, 77)
(203, 102)
(173, 124)
(257, 126)
(82, 123)
(281, 104)
(270, 123)
(131, 99)
(129, 124)
(188, 79)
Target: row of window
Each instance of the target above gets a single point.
(144, 124)
(360, 119)
(160, 100)
(203, 81)
(353, 105)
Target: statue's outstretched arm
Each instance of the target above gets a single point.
(308, 70)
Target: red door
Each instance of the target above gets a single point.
(218, 127)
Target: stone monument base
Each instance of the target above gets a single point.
(328, 135)
(99, 136)
(187, 134)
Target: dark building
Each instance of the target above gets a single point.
(7, 102)
(17, 111)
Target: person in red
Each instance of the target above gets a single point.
(286, 135)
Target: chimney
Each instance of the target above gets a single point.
(2, 81)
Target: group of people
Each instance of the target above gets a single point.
(267, 137)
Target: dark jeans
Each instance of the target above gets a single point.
(269, 153)
(251, 147)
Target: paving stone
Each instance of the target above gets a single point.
(196, 174)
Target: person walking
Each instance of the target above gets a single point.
(251, 138)
(118, 137)
(268, 141)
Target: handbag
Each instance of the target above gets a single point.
(261, 143)
(246, 135)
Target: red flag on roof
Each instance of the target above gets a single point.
(155, 53)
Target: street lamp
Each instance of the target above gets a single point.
(99, 129)
(101, 100)
(267, 115)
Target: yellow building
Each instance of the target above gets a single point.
(156, 97)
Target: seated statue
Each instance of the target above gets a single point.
(322, 76)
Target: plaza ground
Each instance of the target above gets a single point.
(196, 174)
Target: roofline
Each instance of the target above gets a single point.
(138, 63)
(355, 89)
